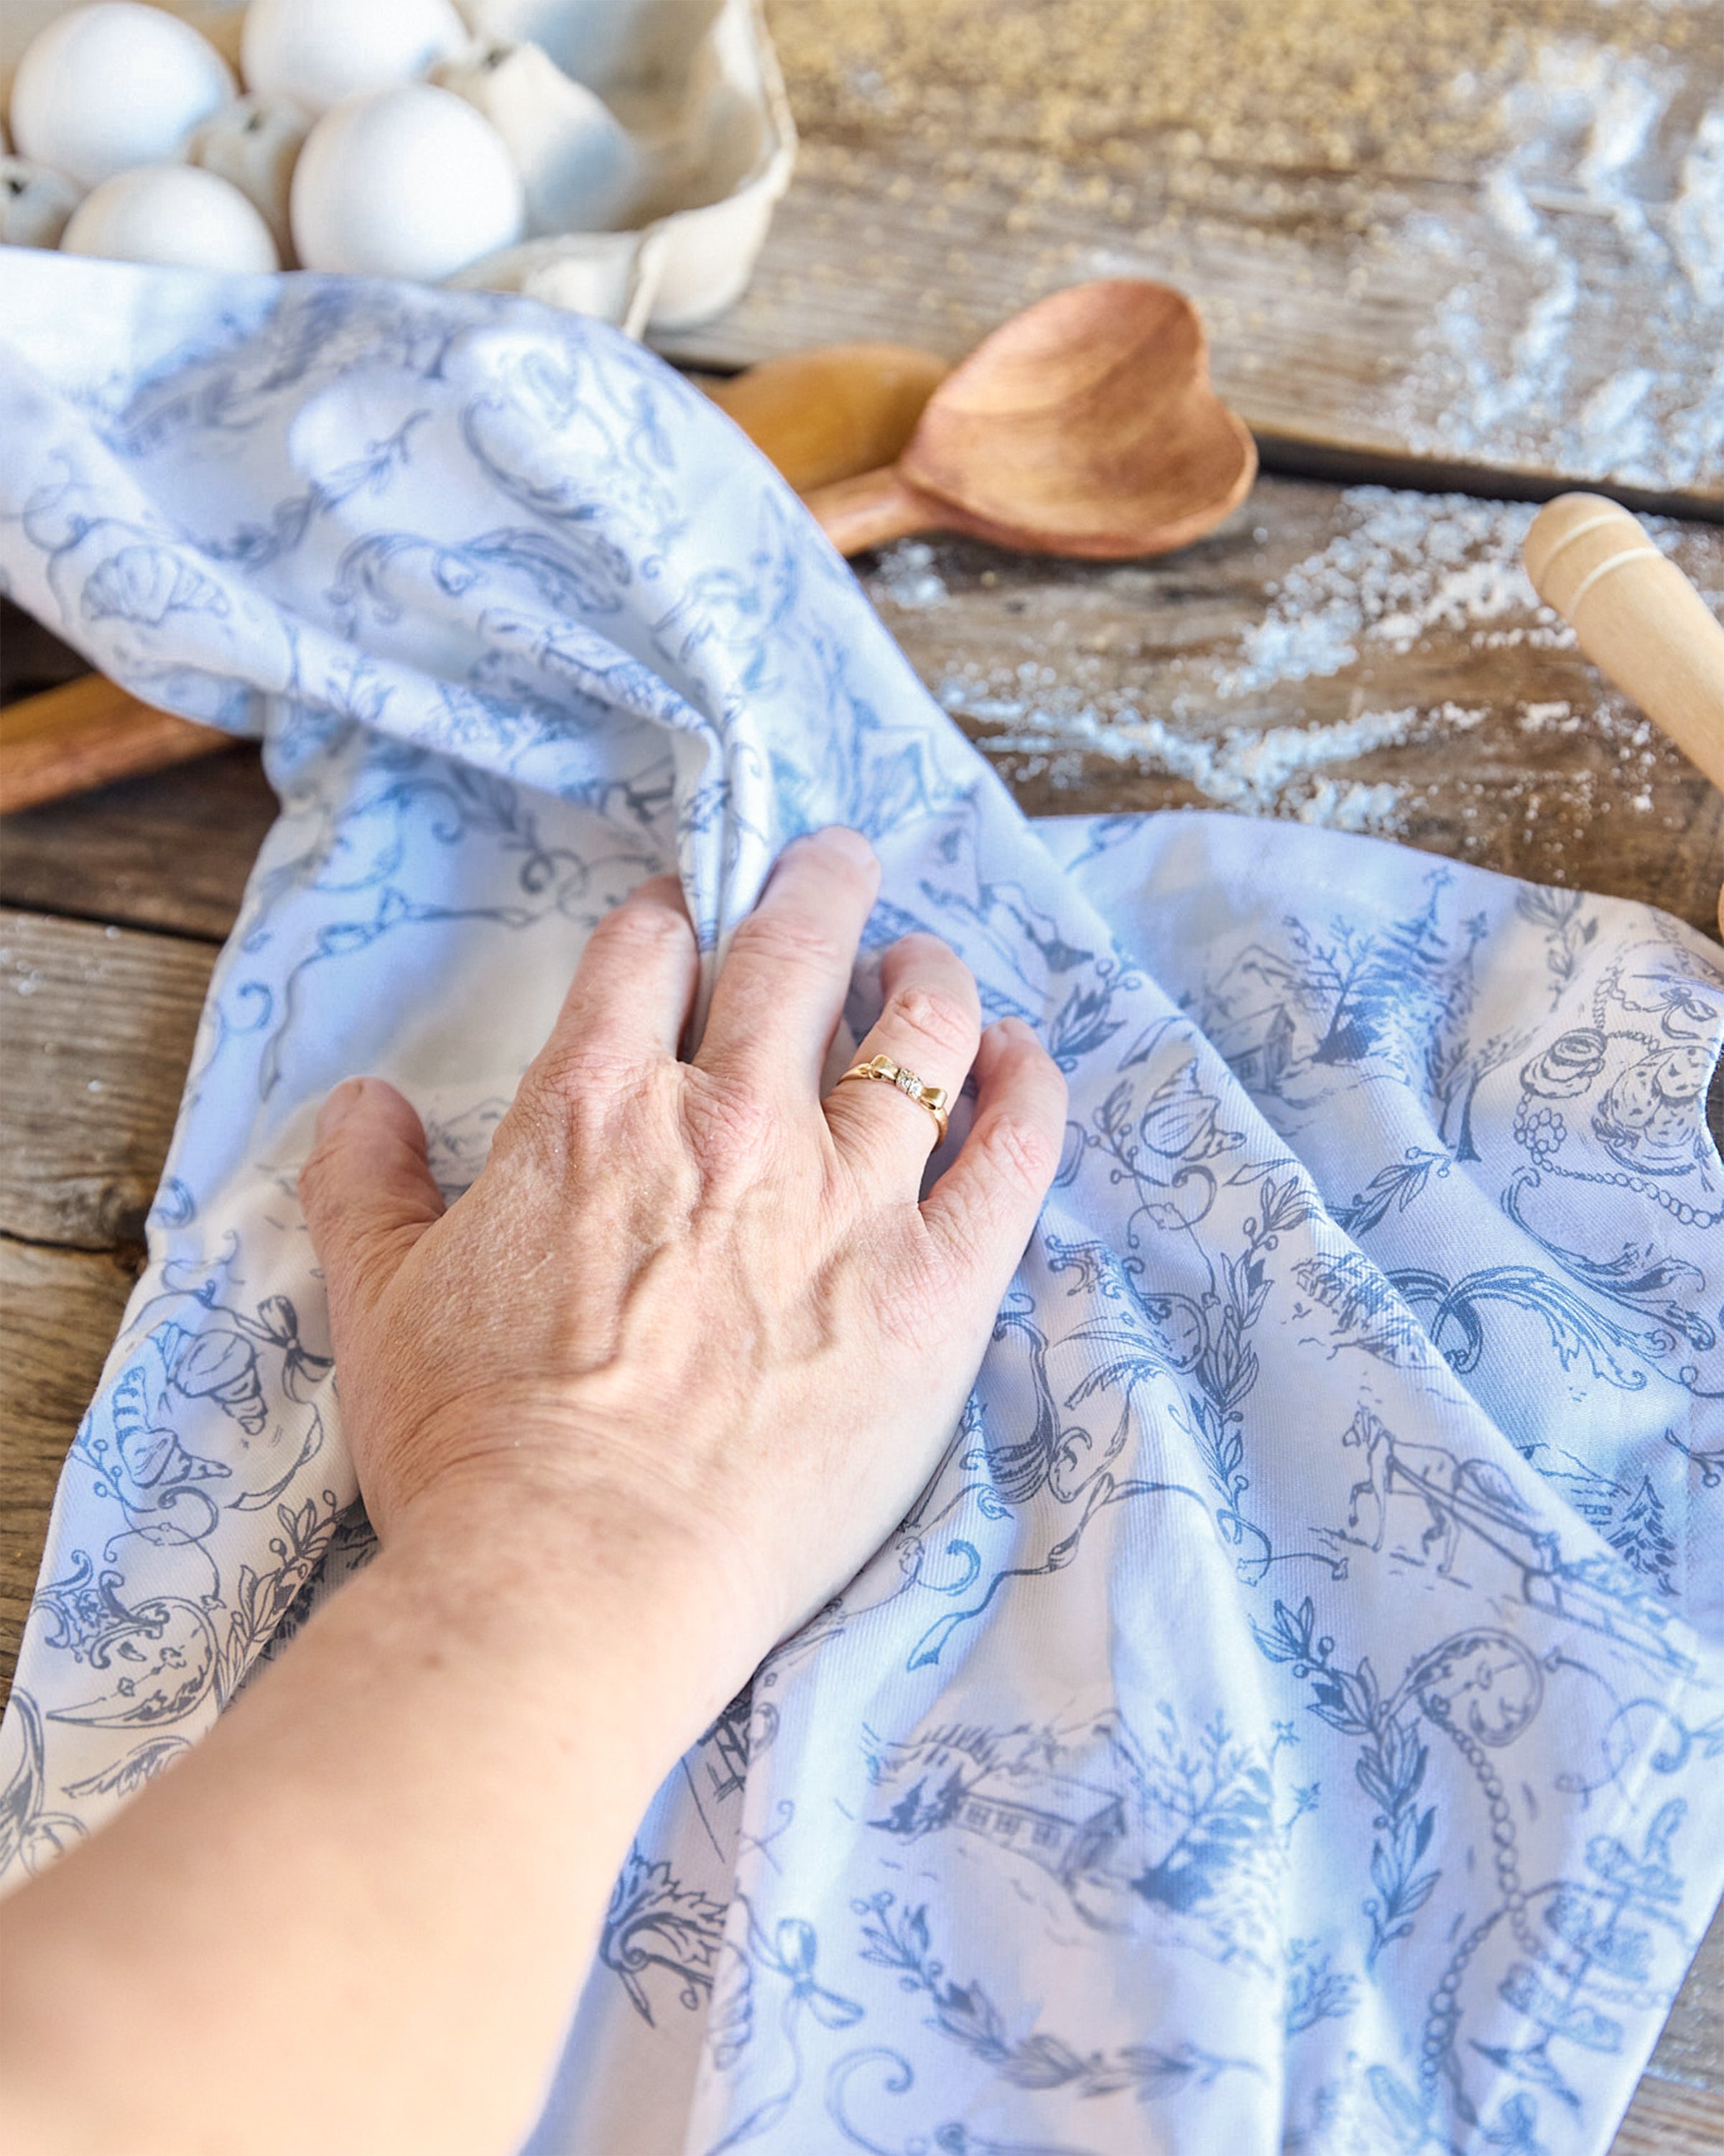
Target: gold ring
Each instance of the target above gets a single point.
(934, 1098)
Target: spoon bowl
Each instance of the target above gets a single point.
(1084, 426)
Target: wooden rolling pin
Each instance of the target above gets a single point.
(86, 733)
(1639, 619)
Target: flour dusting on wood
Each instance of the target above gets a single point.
(1590, 338)
(1372, 659)
(1402, 565)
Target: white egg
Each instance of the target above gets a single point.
(408, 182)
(315, 53)
(578, 164)
(111, 86)
(34, 203)
(255, 144)
(171, 214)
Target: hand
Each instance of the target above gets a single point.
(691, 1300)
(636, 1405)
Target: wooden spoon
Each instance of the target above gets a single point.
(830, 413)
(1085, 425)
(1637, 618)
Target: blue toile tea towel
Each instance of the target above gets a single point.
(1292, 1717)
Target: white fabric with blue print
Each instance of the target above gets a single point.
(1292, 1714)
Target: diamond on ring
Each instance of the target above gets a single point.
(934, 1098)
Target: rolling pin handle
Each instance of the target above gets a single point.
(1638, 618)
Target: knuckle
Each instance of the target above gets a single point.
(939, 1016)
(785, 939)
(635, 926)
(733, 1144)
(568, 1105)
(1023, 1153)
(730, 1128)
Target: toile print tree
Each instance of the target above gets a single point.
(1396, 991)
(1643, 1540)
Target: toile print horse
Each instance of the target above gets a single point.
(1457, 1494)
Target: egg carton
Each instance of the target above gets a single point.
(697, 85)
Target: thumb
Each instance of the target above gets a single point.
(366, 1190)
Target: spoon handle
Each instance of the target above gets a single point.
(856, 514)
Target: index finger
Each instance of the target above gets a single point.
(630, 998)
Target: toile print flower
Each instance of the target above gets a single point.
(1568, 1066)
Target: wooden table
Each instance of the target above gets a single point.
(1455, 245)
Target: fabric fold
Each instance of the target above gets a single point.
(1294, 1704)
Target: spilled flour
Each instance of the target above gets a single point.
(1407, 564)
(1587, 336)
(1515, 207)
(907, 578)
(1260, 770)
(1404, 569)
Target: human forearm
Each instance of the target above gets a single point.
(453, 1755)
(633, 1406)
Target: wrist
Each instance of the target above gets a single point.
(574, 1587)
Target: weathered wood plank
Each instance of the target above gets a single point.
(31, 656)
(62, 1310)
(1665, 2119)
(1486, 252)
(1690, 2051)
(1369, 659)
(96, 1026)
(171, 851)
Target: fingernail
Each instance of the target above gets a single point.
(340, 1104)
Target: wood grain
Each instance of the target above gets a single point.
(98, 1026)
(1320, 647)
(86, 732)
(1665, 2119)
(170, 851)
(1523, 303)
(1690, 2051)
(62, 1309)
